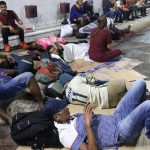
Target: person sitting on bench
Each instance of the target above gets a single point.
(9, 27)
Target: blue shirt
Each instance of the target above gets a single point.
(104, 128)
(4, 79)
(106, 6)
(76, 13)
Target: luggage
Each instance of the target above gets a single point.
(54, 90)
(34, 129)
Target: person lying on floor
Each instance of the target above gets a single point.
(70, 51)
(18, 64)
(79, 90)
(43, 43)
(100, 49)
(12, 84)
(91, 131)
(116, 33)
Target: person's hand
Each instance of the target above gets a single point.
(88, 110)
(11, 28)
(41, 106)
(10, 72)
(111, 31)
(10, 58)
(20, 22)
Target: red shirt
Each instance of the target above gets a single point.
(9, 19)
(98, 43)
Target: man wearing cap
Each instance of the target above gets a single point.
(93, 132)
(80, 90)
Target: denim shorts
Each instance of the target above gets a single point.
(12, 87)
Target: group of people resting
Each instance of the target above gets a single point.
(87, 130)
(124, 10)
(80, 131)
(120, 10)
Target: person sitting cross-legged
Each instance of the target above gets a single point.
(9, 27)
(78, 14)
(100, 49)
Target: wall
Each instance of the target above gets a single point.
(48, 10)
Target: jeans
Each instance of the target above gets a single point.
(6, 32)
(12, 87)
(133, 113)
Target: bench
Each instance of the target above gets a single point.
(33, 35)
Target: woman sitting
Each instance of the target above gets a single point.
(100, 43)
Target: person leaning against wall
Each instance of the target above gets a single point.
(9, 27)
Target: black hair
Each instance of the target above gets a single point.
(2, 3)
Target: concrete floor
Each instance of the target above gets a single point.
(137, 48)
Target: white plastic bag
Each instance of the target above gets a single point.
(66, 30)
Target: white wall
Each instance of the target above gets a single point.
(48, 10)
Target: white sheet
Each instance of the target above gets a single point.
(75, 51)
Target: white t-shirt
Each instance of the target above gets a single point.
(67, 132)
(74, 51)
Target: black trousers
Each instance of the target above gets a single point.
(6, 32)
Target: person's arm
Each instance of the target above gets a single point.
(4, 55)
(10, 72)
(109, 40)
(109, 46)
(91, 145)
(17, 18)
(6, 26)
(20, 22)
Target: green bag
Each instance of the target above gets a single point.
(55, 90)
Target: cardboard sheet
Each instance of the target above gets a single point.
(122, 69)
(128, 75)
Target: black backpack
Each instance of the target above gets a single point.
(34, 129)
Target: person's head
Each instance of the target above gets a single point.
(102, 21)
(55, 48)
(52, 50)
(80, 2)
(3, 7)
(57, 110)
(7, 63)
(36, 46)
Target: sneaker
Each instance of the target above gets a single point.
(7, 48)
(23, 45)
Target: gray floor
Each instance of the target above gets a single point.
(138, 48)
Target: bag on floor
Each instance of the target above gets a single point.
(34, 129)
(48, 72)
(55, 90)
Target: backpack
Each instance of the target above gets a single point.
(48, 72)
(34, 129)
(81, 35)
(54, 90)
